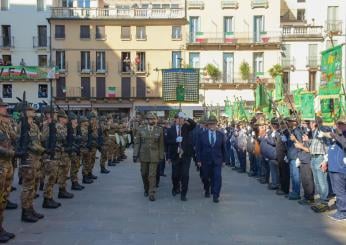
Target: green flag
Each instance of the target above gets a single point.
(331, 72)
(261, 97)
(279, 88)
(307, 106)
(283, 109)
(327, 111)
(297, 98)
(180, 91)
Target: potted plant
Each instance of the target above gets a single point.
(245, 71)
(213, 72)
(275, 71)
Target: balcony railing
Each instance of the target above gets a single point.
(259, 4)
(192, 4)
(62, 68)
(39, 42)
(288, 62)
(334, 26)
(305, 32)
(234, 38)
(77, 92)
(100, 69)
(234, 78)
(6, 42)
(313, 62)
(229, 4)
(86, 68)
(117, 13)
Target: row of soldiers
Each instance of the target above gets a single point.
(51, 152)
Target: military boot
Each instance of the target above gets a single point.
(37, 215)
(4, 234)
(76, 186)
(41, 186)
(11, 205)
(111, 164)
(104, 170)
(27, 216)
(87, 180)
(3, 237)
(91, 176)
(50, 203)
(63, 194)
(20, 181)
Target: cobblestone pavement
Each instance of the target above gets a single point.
(114, 211)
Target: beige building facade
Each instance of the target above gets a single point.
(111, 56)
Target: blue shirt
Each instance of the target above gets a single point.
(214, 135)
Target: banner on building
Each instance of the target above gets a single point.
(26, 72)
(111, 92)
(172, 79)
(331, 72)
(307, 106)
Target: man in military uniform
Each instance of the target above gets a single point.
(50, 164)
(61, 155)
(92, 147)
(149, 149)
(75, 153)
(7, 138)
(29, 166)
(84, 151)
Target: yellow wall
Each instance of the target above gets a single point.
(158, 48)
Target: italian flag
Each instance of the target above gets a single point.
(111, 92)
(200, 38)
(229, 37)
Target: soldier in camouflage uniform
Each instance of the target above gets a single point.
(114, 147)
(90, 158)
(61, 155)
(50, 164)
(29, 167)
(7, 153)
(149, 149)
(84, 151)
(105, 147)
(75, 154)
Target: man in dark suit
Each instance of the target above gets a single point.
(211, 156)
(180, 151)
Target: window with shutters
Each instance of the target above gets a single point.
(140, 62)
(59, 31)
(41, 5)
(126, 33)
(42, 60)
(176, 32)
(4, 5)
(100, 33)
(7, 90)
(43, 91)
(60, 60)
(100, 61)
(141, 33)
(85, 32)
(85, 61)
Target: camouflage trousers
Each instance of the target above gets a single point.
(75, 166)
(148, 171)
(40, 174)
(115, 151)
(6, 177)
(89, 159)
(51, 174)
(106, 154)
(64, 164)
(29, 176)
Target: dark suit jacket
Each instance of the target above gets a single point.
(187, 144)
(208, 154)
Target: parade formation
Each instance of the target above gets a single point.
(282, 153)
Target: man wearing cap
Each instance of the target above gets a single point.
(149, 149)
(7, 153)
(50, 164)
(336, 165)
(211, 155)
(180, 150)
(75, 154)
(62, 156)
(29, 167)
